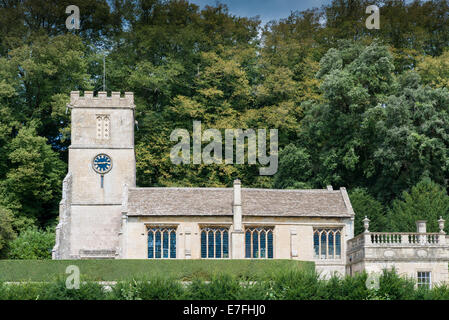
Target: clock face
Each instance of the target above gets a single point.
(102, 163)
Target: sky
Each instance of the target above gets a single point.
(266, 9)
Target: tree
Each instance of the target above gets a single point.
(32, 184)
(32, 244)
(364, 204)
(7, 233)
(410, 135)
(355, 80)
(426, 201)
(434, 71)
(295, 168)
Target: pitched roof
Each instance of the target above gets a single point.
(255, 202)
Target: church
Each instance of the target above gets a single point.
(104, 215)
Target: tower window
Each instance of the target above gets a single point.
(215, 242)
(161, 243)
(103, 127)
(259, 243)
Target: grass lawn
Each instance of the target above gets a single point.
(115, 270)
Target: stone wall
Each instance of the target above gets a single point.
(293, 237)
(61, 249)
(90, 215)
(407, 253)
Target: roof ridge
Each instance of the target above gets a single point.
(295, 190)
(230, 188)
(180, 188)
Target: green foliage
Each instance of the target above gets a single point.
(156, 288)
(435, 70)
(295, 168)
(394, 287)
(349, 112)
(57, 290)
(283, 285)
(221, 287)
(117, 270)
(296, 285)
(365, 205)
(32, 244)
(426, 201)
(32, 183)
(6, 230)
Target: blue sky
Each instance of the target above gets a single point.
(266, 9)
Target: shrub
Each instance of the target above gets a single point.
(7, 233)
(88, 290)
(21, 291)
(287, 284)
(221, 287)
(347, 288)
(32, 244)
(156, 288)
(298, 285)
(394, 287)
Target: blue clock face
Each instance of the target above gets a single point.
(102, 164)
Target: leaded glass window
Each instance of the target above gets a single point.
(161, 242)
(327, 243)
(214, 242)
(259, 243)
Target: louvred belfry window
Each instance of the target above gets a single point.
(103, 127)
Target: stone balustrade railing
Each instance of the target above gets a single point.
(396, 239)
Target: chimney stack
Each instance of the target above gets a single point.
(237, 205)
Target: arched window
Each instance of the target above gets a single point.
(215, 242)
(327, 243)
(259, 243)
(161, 242)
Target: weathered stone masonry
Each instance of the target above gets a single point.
(104, 215)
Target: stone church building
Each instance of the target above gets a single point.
(104, 215)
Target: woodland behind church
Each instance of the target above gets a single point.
(355, 108)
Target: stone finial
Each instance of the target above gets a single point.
(441, 225)
(237, 181)
(330, 188)
(421, 226)
(366, 222)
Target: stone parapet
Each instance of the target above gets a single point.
(398, 246)
(101, 100)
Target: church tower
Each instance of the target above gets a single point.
(101, 163)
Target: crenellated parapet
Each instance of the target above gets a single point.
(102, 100)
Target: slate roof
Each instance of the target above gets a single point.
(255, 202)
